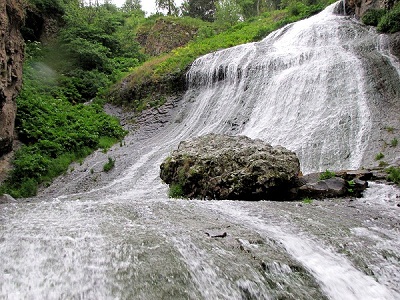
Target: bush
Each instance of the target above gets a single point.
(379, 156)
(390, 22)
(372, 16)
(109, 165)
(49, 6)
(55, 133)
(394, 174)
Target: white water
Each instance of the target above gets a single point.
(302, 87)
(306, 87)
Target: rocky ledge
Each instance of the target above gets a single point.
(238, 168)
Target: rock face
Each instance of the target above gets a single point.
(359, 7)
(11, 60)
(231, 167)
(164, 36)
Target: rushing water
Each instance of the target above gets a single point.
(314, 87)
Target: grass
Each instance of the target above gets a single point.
(307, 200)
(110, 164)
(393, 174)
(326, 175)
(175, 191)
(383, 164)
(351, 184)
(389, 129)
(379, 156)
(394, 142)
(158, 75)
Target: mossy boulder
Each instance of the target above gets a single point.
(218, 166)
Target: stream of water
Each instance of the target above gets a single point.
(309, 87)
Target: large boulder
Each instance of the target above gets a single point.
(231, 167)
(11, 60)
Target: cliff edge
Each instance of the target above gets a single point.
(11, 61)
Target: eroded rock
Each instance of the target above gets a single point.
(11, 60)
(231, 167)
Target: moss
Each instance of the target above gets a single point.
(175, 191)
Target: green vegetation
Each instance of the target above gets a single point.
(394, 142)
(387, 21)
(351, 184)
(379, 156)
(390, 22)
(109, 165)
(372, 16)
(389, 129)
(326, 175)
(394, 174)
(165, 73)
(383, 164)
(175, 191)
(60, 118)
(54, 131)
(307, 200)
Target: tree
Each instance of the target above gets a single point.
(169, 5)
(202, 9)
(228, 12)
(131, 5)
(250, 8)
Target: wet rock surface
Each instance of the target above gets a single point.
(342, 184)
(231, 167)
(5, 198)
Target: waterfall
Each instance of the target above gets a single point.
(325, 87)
(306, 86)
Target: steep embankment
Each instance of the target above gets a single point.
(11, 57)
(359, 8)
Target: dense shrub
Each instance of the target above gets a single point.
(387, 21)
(55, 133)
(390, 22)
(48, 6)
(372, 16)
(394, 174)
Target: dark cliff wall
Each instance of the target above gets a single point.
(359, 7)
(11, 61)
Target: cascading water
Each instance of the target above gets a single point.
(304, 87)
(325, 87)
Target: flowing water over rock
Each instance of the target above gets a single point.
(324, 87)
